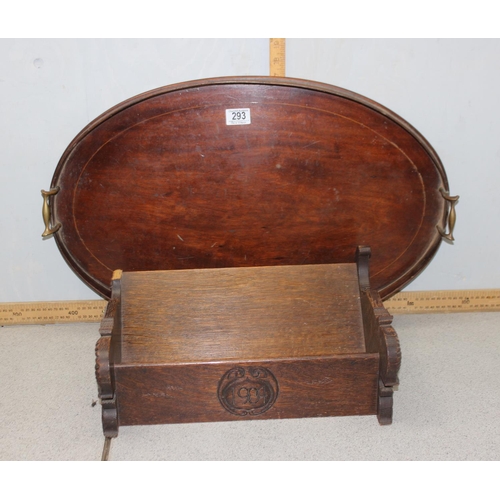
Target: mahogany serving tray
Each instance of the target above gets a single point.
(247, 182)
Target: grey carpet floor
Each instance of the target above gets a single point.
(447, 406)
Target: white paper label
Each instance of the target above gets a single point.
(239, 116)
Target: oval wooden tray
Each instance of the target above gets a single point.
(162, 182)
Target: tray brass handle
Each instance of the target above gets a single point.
(452, 216)
(46, 212)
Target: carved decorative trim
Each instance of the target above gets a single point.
(247, 391)
(108, 320)
(109, 417)
(363, 254)
(106, 387)
(380, 337)
(102, 368)
(103, 365)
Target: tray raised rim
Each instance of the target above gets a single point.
(387, 290)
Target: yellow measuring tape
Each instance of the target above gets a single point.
(91, 311)
(277, 57)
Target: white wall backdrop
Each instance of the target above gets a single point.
(51, 88)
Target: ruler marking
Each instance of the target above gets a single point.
(51, 312)
(277, 57)
(18, 313)
(443, 301)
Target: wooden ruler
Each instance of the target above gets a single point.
(91, 311)
(444, 301)
(40, 313)
(277, 56)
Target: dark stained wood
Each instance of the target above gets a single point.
(107, 354)
(105, 377)
(248, 287)
(160, 182)
(319, 387)
(380, 337)
(246, 343)
(385, 404)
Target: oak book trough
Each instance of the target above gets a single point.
(230, 223)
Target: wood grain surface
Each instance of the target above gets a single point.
(189, 316)
(207, 345)
(328, 386)
(162, 182)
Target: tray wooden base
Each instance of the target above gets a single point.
(245, 343)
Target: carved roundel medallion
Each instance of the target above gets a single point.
(248, 391)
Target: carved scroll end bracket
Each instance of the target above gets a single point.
(103, 368)
(380, 337)
(105, 382)
(363, 254)
(385, 404)
(105, 351)
(392, 356)
(390, 363)
(105, 385)
(109, 418)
